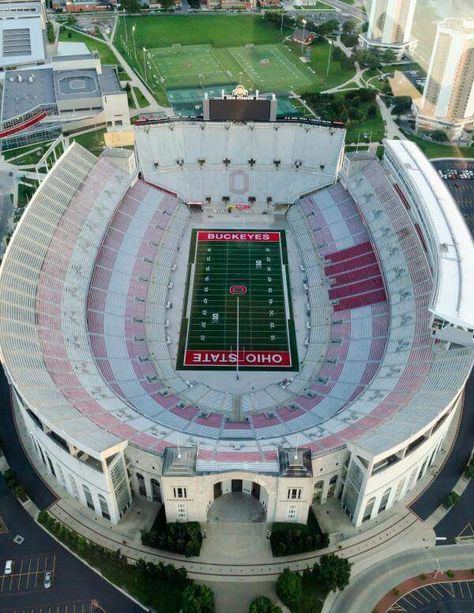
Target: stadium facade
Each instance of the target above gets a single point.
(91, 292)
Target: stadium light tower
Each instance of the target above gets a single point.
(303, 21)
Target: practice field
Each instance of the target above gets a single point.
(270, 68)
(187, 66)
(237, 311)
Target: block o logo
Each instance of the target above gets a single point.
(238, 290)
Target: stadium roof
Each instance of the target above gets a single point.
(21, 41)
(451, 240)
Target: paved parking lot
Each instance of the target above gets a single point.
(85, 606)
(456, 596)
(27, 575)
(462, 189)
(3, 526)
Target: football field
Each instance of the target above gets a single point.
(237, 312)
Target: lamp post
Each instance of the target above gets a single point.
(303, 21)
(133, 41)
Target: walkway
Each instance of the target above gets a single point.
(369, 586)
(236, 507)
(391, 128)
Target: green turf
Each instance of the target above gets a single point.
(211, 50)
(216, 30)
(272, 67)
(258, 320)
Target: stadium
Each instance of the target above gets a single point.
(238, 306)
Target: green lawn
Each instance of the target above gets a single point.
(373, 127)
(29, 154)
(72, 36)
(338, 71)
(92, 141)
(216, 30)
(437, 150)
(142, 101)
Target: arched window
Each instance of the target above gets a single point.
(369, 507)
(104, 507)
(318, 492)
(88, 496)
(384, 500)
(156, 491)
(399, 489)
(74, 491)
(141, 484)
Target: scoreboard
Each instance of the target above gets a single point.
(239, 107)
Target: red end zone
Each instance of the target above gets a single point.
(263, 359)
(256, 237)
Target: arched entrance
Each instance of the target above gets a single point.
(238, 500)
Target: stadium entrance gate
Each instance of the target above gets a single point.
(238, 500)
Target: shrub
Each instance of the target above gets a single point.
(262, 604)
(469, 470)
(450, 500)
(332, 573)
(197, 599)
(289, 539)
(396, 591)
(184, 538)
(14, 485)
(289, 588)
(449, 573)
(422, 577)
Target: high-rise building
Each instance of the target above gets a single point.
(448, 96)
(390, 24)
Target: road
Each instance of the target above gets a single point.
(369, 586)
(451, 471)
(73, 583)
(347, 8)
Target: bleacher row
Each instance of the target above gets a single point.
(89, 232)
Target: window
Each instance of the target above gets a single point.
(318, 492)
(292, 514)
(294, 493)
(104, 506)
(88, 497)
(180, 492)
(141, 485)
(155, 490)
(384, 501)
(74, 491)
(368, 509)
(181, 511)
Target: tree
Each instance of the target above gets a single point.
(289, 588)
(131, 6)
(349, 26)
(167, 4)
(450, 500)
(197, 599)
(389, 56)
(332, 573)
(262, 604)
(71, 20)
(401, 104)
(439, 136)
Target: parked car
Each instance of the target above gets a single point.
(47, 580)
(8, 567)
